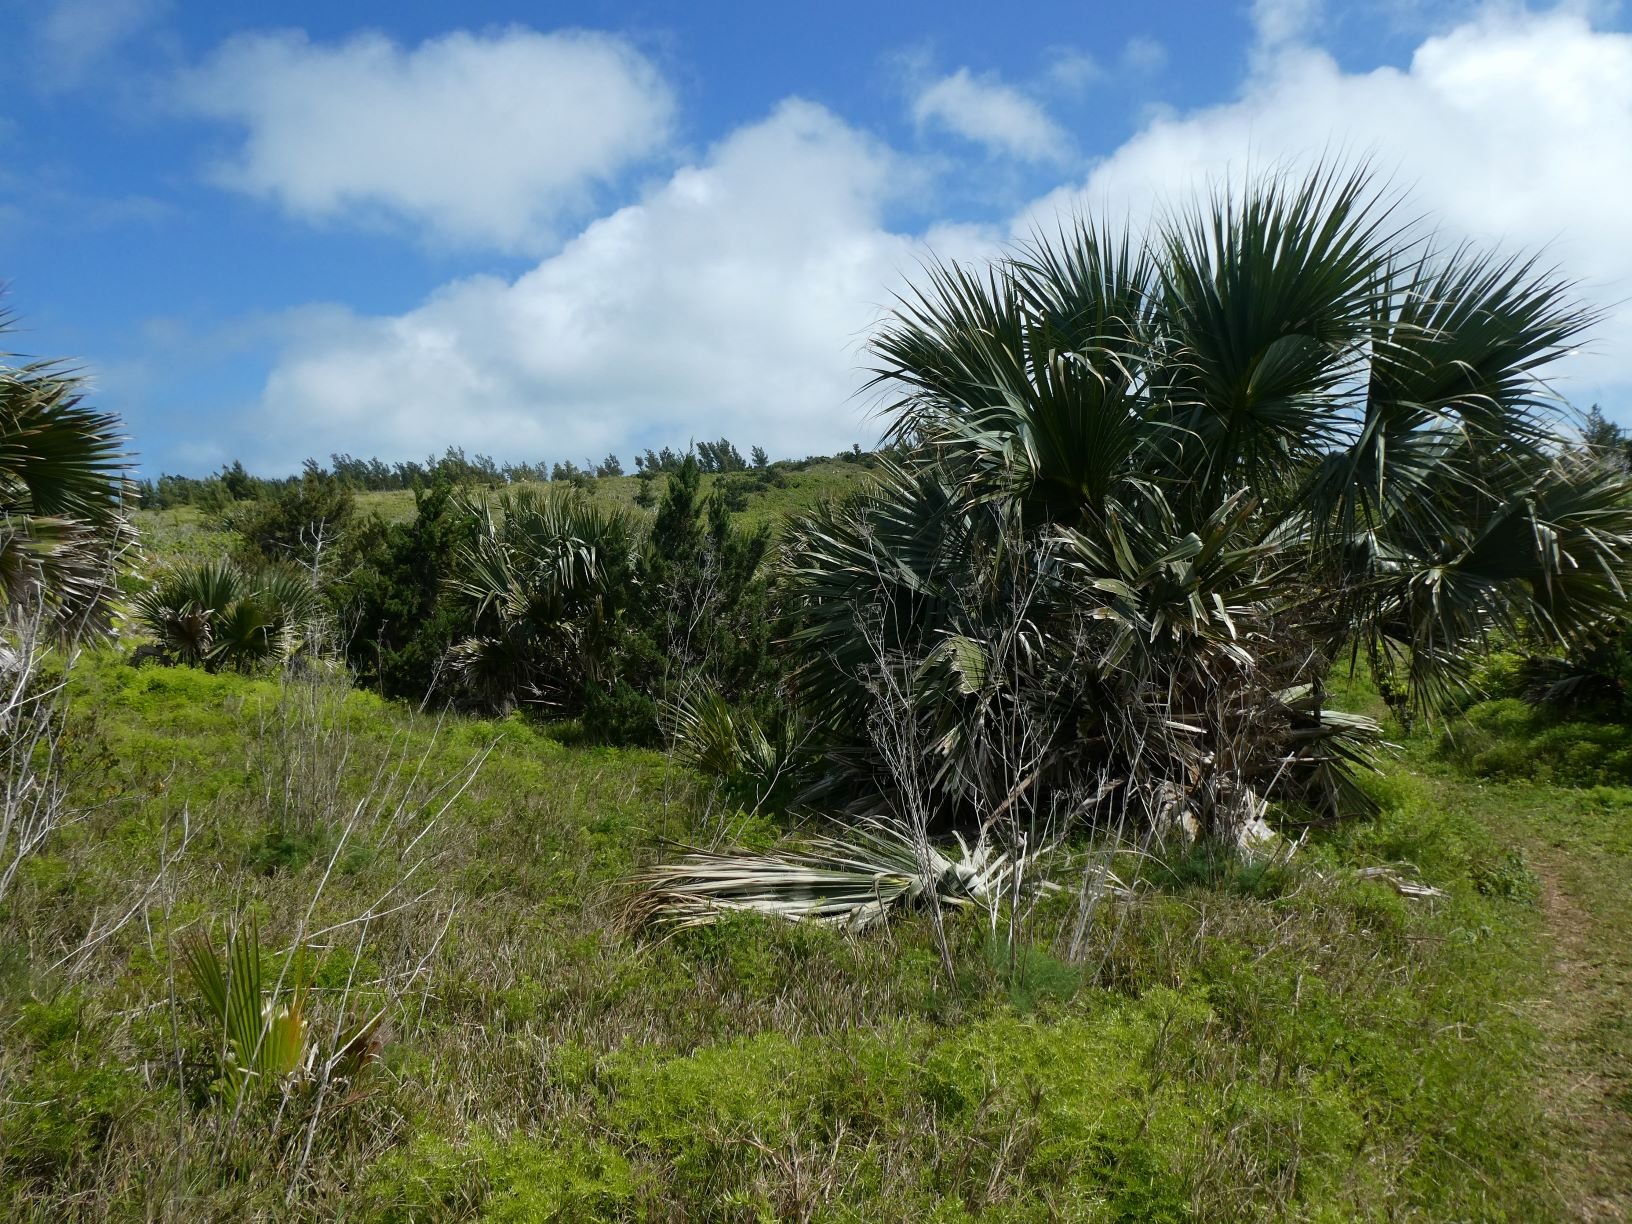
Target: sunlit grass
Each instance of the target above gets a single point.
(1232, 1043)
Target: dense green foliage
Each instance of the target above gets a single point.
(1152, 486)
(234, 483)
(397, 622)
(580, 609)
(705, 619)
(472, 597)
(308, 523)
(547, 578)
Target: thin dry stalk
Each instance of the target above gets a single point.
(33, 706)
(305, 743)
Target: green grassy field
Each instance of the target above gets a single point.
(1574, 843)
(1234, 1043)
(793, 488)
(186, 533)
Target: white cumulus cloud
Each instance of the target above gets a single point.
(1278, 22)
(486, 140)
(734, 297)
(731, 300)
(1511, 130)
(992, 114)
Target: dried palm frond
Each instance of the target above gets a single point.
(851, 880)
(1403, 879)
(1326, 752)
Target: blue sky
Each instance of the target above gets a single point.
(547, 232)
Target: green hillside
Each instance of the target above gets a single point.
(1241, 1043)
(189, 533)
(1191, 780)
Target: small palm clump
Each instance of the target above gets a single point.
(758, 767)
(548, 575)
(64, 477)
(263, 1032)
(217, 615)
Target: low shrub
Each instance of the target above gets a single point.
(1510, 740)
(518, 1179)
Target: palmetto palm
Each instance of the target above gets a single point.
(63, 481)
(1273, 429)
(547, 575)
(217, 615)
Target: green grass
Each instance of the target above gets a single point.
(1538, 785)
(1509, 740)
(1234, 1044)
(186, 533)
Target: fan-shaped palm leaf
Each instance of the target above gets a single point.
(547, 575)
(1275, 428)
(63, 487)
(852, 879)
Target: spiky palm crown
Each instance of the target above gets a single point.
(546, 577)
(219, 615)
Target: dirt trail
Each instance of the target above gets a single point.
(1587, 1086)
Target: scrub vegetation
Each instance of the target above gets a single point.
(1184, 774)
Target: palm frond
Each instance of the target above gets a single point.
(760, 768)
(545, 576)
(1265, 304)
(874, 572)
(852, 880)
(64, 488)
(263, 1031)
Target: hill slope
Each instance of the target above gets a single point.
(1235, 1042)
(767, 496)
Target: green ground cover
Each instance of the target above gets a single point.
(1233, 1043)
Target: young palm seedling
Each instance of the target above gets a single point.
(263, 1027)
(263, 1032)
